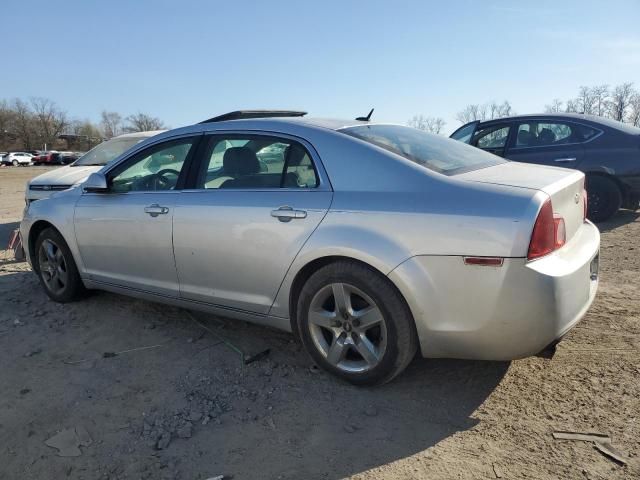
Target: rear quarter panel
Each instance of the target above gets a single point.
(402, 211)
(615, 153)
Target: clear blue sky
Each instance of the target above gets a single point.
(187, 60)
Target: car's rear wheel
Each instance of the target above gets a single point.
(355, 324)
(56, 267)
(603, 198)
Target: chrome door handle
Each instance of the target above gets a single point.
(565, 160)
(286, 214)
(155, 210)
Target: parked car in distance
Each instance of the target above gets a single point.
(49, 157)
(608, 152)
(368, 241)
(59, 179)
(17, 158)
(66, 158)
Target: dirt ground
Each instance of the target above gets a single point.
(189, 409)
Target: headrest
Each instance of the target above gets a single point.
(524, 137)
(294, 154)
(240, 161)
(546, 135)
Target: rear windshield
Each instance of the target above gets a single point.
(434, 152)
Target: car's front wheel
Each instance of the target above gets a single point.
(604, 198)
(15, 163)
(355, 324)
(56, 267)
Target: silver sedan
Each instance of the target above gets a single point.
(368, 241)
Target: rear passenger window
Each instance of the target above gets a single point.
(544, 134)
(256, 162)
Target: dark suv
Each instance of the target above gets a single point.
(608, 152)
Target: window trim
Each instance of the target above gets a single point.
(126, 162)
(323, 184)
(547, 120)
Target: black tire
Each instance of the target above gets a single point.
(72, 288)
(401, 341)
(604, 198)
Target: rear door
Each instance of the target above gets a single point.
(256, 199)
(548, 142)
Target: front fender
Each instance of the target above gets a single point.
(57, 211)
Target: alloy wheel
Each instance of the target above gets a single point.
(53, 267)
(347, 327)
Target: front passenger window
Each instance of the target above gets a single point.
(492, 137)
(153, 169)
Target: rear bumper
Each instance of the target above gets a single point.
(499, 313)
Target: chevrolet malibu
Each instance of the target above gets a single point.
(368, 241)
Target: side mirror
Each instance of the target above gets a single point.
(96, 183)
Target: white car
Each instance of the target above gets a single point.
(17, 158)
(62, 178)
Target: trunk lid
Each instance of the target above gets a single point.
(564, 186)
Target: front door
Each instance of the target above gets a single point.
(125, 235)
(257, 199)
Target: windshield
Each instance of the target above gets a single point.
(107, 151)
(434, 152)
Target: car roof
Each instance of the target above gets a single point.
(579, 117)
(327, 123)
(284, 125)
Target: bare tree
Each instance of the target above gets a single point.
(555, 106)
(49, 120)
(572, 107)
(621, 100)
(600, 97)
(503, 109)
(111, 123)
(7, 120)
(485, 111)
(141, 122)
(6, 117)
(634, 112)
(472, 112)
(428, 124)
(24, 123)
(585, 102)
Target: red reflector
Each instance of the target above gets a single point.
(484, 261)
(560, 232)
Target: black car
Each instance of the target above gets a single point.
(608, 152)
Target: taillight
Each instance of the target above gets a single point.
(584, 204)
(549, 233)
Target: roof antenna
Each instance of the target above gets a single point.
(365, 119)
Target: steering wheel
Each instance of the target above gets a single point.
(160, 182)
